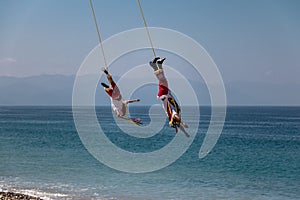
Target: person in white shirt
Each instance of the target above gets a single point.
(118, 105)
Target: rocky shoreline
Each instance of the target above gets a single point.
(16, 196)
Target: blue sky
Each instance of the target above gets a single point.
(250, 41)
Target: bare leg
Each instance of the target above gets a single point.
(110, 79)
(108, 76)
(115, 89)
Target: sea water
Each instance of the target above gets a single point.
(256, 157)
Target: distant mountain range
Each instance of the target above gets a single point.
(57, 90)
(36, 90)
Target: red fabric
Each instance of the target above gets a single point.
(110, 91)
(162, 90)
(113, 84)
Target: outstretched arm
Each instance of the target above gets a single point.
(132, 101)
(184, 131)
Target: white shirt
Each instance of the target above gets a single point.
(118, 105)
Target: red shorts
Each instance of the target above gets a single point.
(162, 90)
(114, 92)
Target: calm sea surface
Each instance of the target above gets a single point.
(256, 157)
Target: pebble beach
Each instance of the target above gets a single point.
(16, 196)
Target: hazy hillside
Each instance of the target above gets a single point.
(57, 90)
(36, 90)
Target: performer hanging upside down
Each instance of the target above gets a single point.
(118, 105)
(169, 103)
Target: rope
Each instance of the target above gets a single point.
(145, 24)
(99, 37)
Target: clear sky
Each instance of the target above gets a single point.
(250, 41)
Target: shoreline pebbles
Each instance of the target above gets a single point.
(16, 196)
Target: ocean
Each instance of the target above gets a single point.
(256, 157)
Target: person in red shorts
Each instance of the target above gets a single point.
(118, 105)
(169, 103)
